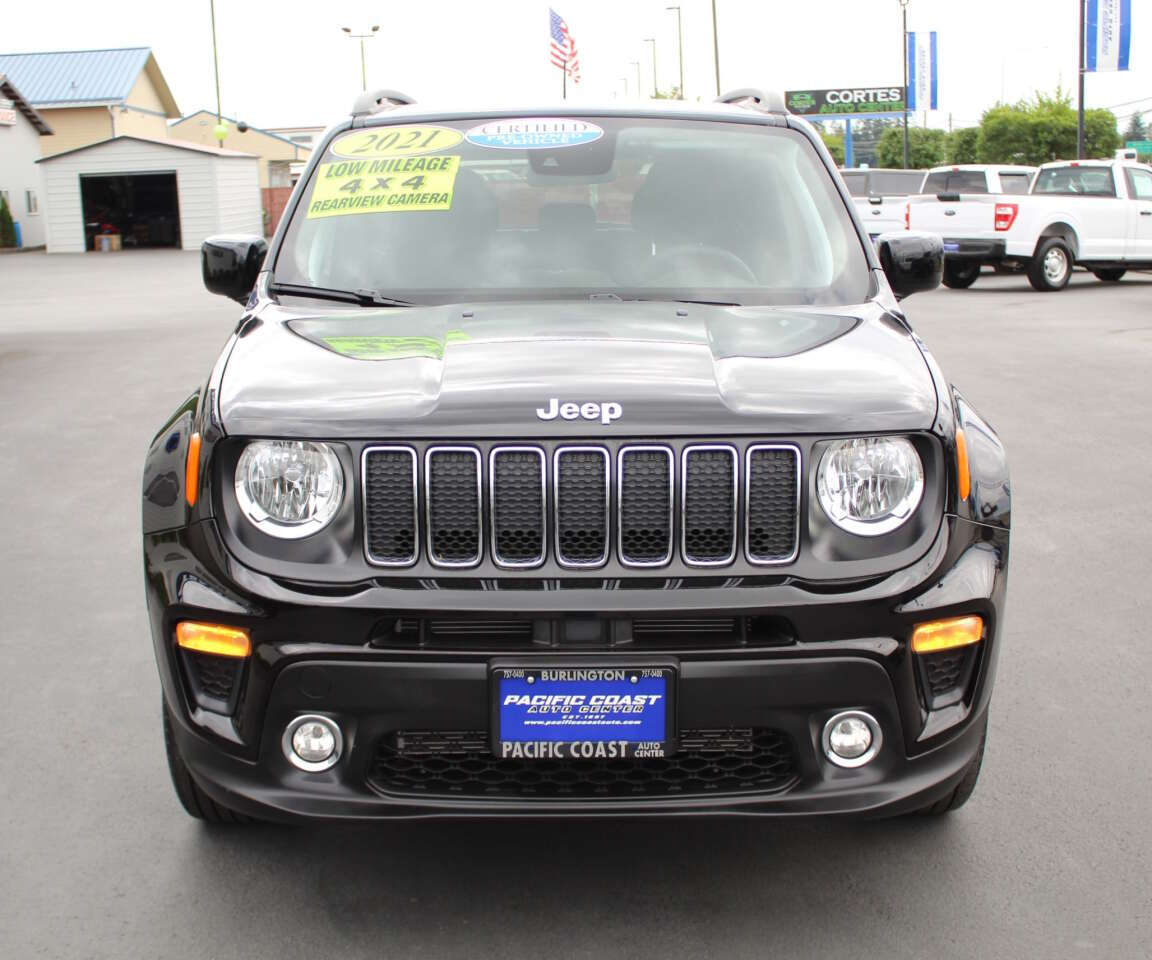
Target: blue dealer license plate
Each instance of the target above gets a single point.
(582, 713)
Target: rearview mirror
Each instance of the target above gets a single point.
(230, 264)
(913, 262)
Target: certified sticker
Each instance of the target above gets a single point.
(395, 142)
(534, 133)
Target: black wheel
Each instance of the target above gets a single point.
(194, 800)
(961, 274)
(1051, 268)
(1109, 274)
(963, 790)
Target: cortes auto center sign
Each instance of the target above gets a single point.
(846, 100)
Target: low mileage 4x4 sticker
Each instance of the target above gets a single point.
(378, 186)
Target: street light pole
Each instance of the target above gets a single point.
(1080, 96)
(716, 47)
(904, 57)
(624, 80)
(219, 132)
(636, 64)
(655, 82)
(362, 37)
(679, 47)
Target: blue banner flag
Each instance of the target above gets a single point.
(922, 71)
(1108, 35)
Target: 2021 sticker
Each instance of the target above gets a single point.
(534, 133)
(395, 142)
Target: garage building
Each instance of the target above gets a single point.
(150, 193)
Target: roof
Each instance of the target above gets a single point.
(267, 133)
(85, 77)
(9, 92)
(159, 142)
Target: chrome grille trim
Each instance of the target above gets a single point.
(429, 453)
(559, 452)
(391, 448)
(492, 455)
(645, 448)
(734, 456)
(748, 555)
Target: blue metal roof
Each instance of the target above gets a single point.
(75, 76)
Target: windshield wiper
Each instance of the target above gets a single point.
(707, 303)
(364, 297)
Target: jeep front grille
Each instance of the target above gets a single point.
(580, 504)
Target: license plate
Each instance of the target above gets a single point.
(951, 248)
(582, 713)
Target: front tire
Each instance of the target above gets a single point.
(1051, 268)
(961, 274)
(1109, 274)
(963, 790)
(194, 800)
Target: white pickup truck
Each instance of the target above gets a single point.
(1093, 213)
(880, 194)
(955, 202)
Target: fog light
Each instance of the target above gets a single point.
(851, 738)
(312, 743)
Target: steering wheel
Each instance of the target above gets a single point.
(668, 263)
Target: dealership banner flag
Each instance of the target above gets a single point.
(922, 84)
(1108, 35)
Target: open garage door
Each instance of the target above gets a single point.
(142, 208)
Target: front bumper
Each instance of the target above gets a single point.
(316, 652)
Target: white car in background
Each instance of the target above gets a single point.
(1092, 213)
(955, 201)
(880, 196)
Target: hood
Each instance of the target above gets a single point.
(499, 370)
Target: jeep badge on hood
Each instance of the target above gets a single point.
(604, 412)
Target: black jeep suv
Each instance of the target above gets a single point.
(575, 462)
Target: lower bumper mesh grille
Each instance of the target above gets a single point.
(460, 764)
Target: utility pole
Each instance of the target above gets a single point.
(655, 82)
(716, 47)
(220, 131)
(1080, 98)
(362, 37)
(904, 57)
(636, 64)
(679, 47)
(624, 80)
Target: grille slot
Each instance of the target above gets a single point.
(644, 505)
(516, 475)
(390, 506)
(581, 480)
(460, 763)
(452, 477)
(709, 505)
(772, 504)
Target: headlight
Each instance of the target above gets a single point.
(870, 485)
(289, 488)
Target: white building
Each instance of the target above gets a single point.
(153, 192)
(21, 128)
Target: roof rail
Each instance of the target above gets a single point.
(766, 101)
(369, 103)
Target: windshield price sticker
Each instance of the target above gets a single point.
(379, 186)
(577, 713)
(395, 142)
(534, 133)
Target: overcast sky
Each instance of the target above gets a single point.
(287, 62)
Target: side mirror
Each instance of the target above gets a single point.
(230, 264)
(913, 262)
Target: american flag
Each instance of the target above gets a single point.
(563, 48)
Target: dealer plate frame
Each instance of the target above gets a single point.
(670, 668)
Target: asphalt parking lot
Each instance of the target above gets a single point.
(1049, 859)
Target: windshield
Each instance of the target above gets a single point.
(537, 208)
(955, 181)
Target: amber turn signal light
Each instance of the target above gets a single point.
(964, 478)
(213, 638)
(192, 470)
(937, 635)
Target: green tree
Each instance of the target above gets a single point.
(7, 228)
(963, 145)
(1137, 129)
(926, 148)
(835, 144)
(1043, 129)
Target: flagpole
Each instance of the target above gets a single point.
(564, 87)
(1080, 102)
